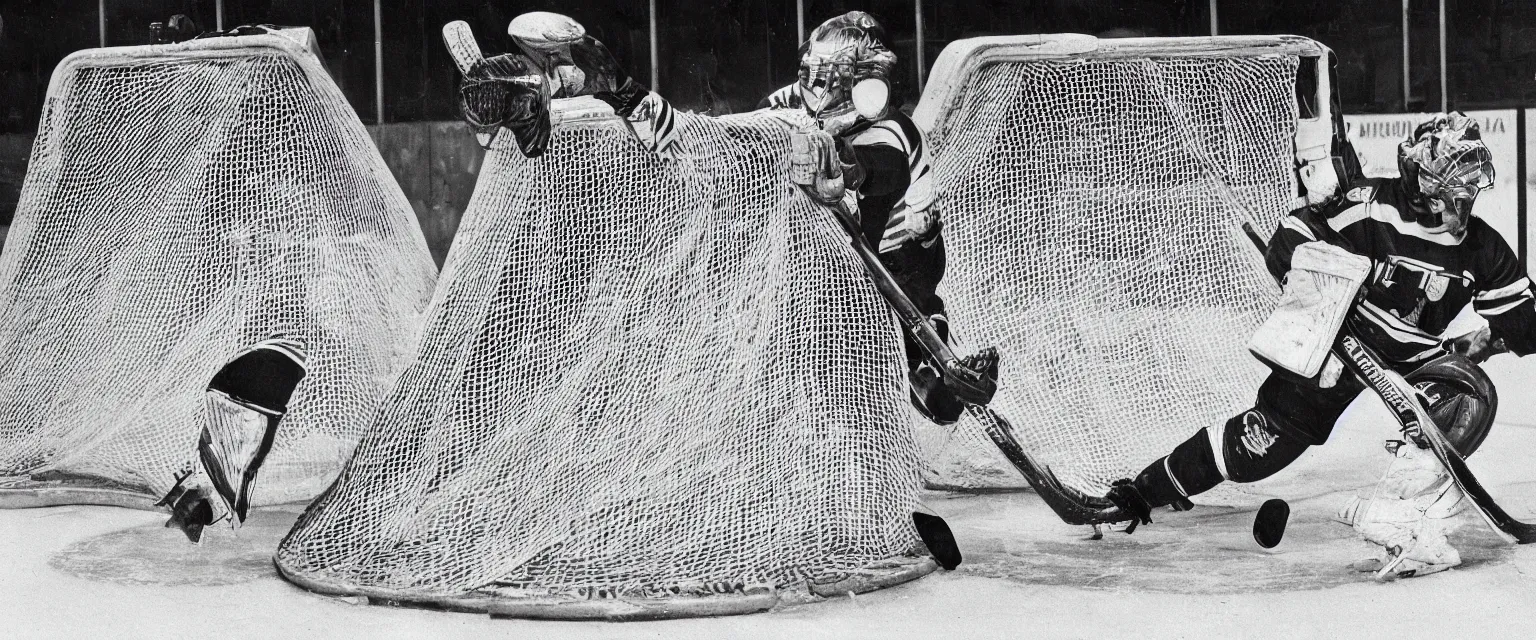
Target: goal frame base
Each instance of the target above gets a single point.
(31, 492)
(876, 577)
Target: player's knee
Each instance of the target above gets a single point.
(1249, 448)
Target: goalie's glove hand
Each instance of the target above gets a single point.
(1477, 346)
(507, 91)
(815, 165)
(580, 65)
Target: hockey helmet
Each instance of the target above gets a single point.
(845, 65)
(1444, 165)
(1460, 399)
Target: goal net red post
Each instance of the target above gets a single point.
(1093, 193)
(184, 202)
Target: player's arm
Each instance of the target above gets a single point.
(558, 43)
(782, 98)
(1307, 224)
(1505, 299)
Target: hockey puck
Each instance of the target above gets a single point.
(938, 538)
(1269, 524)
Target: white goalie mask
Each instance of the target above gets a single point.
(845, 65)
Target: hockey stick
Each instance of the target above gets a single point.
(1072, 506)
(1398, 396)
(465, 50)
(460, 40)
(970, 387)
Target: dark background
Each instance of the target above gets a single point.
(723, 56)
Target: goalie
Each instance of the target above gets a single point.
(243, 405)
(1396, 259)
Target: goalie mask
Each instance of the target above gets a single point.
(1460, 399)
(1444, 167)
(845, 66)
(507, 91)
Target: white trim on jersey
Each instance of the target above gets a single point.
(1395, 327)
(1350, 216)
(1512, 289)
(1382, 212)
(1295, 224)
(1216, 436)
(1503, 307)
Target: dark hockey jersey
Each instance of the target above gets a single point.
(897, 193)
(1422, 280)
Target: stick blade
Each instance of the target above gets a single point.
(461, 43)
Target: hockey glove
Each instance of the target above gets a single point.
(579, 65)
(1477, 346)
(507, 91)
(814, 166)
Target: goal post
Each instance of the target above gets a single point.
(1093, 192)
(643, 390)
(183, 202)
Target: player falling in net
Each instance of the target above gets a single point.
(878, 162)
(1429, 257)
(242, 407)
(884, 175)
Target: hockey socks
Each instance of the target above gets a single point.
(1189, 470)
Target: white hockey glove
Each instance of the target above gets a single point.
(815, 167)
(1319, 291)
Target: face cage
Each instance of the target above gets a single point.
(835, 80)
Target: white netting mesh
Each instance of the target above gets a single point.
(634, 379)
(1089, 244)
(182, 203)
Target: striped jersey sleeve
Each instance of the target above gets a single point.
(1505, 298)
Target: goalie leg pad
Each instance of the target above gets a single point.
(1412, 511)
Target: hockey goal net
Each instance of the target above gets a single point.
(643, 390)
(182, 203)
(1093, 192)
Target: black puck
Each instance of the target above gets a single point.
(1269, 524)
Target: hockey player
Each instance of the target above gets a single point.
(243, 405)
(556, 59)
(878, 166)
(1425, 257)
(843, 84)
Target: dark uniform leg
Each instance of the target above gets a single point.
(1289, 416)
(918, 267)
